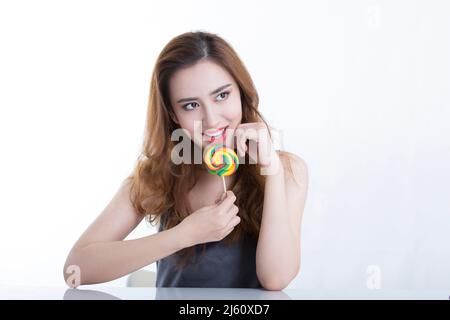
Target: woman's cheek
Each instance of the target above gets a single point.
(235, 111)
(188, 123)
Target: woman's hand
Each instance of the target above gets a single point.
(211, 223)
(259, 147)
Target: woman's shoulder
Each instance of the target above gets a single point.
(293, 165)
(289, 157)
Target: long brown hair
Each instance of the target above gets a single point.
(158, 186)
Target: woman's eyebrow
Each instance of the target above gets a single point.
(215, 91)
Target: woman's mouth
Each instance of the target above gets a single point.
(215, 134)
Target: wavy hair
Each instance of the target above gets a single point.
(158, 186)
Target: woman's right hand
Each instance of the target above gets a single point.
(211, 223)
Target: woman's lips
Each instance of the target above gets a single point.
(218, 135)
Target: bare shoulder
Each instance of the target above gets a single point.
(295, 167)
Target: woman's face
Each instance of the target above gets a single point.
(206, 97)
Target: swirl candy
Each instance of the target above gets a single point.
(220, 160)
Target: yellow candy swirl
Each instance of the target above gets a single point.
(220, 160)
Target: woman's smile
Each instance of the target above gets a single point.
(215, 135)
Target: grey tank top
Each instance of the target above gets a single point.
(216, 266)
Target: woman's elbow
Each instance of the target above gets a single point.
(72, 271)
(278, 283)
(274, 284)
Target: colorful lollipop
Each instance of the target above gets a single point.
(221, 160)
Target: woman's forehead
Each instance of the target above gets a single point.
(199, 79)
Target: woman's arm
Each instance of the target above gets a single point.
(102, 255)
(278, 250)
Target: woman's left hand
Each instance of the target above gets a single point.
(259, 147)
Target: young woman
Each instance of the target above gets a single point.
(246, 237)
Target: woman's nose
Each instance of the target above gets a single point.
(210, 117)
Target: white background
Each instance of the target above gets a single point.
(360, 90)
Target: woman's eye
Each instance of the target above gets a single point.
(226, 93)
(190, 106)
(187, 106)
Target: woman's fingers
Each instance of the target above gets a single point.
(242, 144)
(227, 203)
(242, 134)
(264, 149)
(259, 142)
(231, 213)
(228, 209)
(233, 223)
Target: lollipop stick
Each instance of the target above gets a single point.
(224, 185)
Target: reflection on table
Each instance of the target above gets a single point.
(175, 294)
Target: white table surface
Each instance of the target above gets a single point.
(93, 292)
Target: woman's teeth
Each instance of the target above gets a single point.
(215, 134)
(212, 136)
